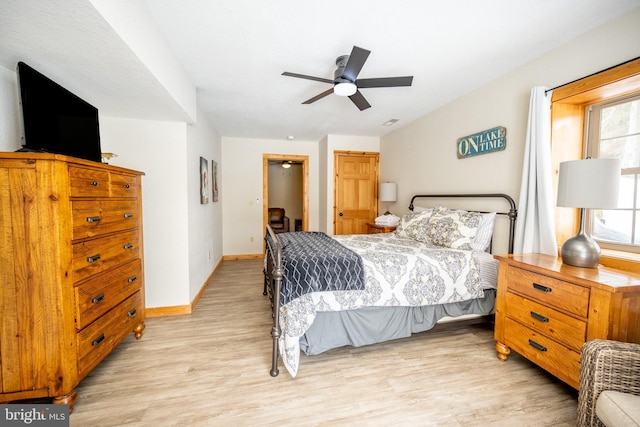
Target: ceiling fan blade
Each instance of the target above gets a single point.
(302, 76)
(320, 96)
(355, 63)
(385, 82)
(359, 100)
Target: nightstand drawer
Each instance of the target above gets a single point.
(565, 296)
(554, 324)
(559, 360)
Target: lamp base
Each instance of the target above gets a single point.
(581, 251)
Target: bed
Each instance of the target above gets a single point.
(436, 268)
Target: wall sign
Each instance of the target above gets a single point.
(484, 142)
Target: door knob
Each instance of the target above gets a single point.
(340, 214)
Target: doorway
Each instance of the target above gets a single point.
(292, 179)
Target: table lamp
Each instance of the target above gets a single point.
(388, 193)
(588, 183)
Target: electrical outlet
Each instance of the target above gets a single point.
(209, 254)
(251, 239)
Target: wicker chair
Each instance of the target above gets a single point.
(609, 366)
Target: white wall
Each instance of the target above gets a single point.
(205, 221)
(10, 119)
(159, 149)
(242, 189)
(421, 157)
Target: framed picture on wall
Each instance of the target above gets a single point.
(204, 181)
(214, 177)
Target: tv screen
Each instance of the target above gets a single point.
(55, 120)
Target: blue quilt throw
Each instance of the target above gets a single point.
(314, 262)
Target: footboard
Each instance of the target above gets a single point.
(273, 272)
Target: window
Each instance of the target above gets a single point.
(613, 131)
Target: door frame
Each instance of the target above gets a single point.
(304, 160)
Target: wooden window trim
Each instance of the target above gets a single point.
(568, 104)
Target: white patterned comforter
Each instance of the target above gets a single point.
(398, 272)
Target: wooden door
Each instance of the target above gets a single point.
(356, 191)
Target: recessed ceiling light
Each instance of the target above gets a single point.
(390, 122)
(290, 137)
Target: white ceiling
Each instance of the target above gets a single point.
(235, 51)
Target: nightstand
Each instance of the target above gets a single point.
(373, 228)
(546, 310)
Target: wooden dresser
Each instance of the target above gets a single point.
(546, 310)
(71, 270)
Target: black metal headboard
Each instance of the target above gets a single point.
(511, 214)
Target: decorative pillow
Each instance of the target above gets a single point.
(414, 225)
(452, 229)
(485, 231)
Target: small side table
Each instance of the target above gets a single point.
(373, 228)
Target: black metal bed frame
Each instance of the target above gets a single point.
(274, 270)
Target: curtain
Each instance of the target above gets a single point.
(535, 229)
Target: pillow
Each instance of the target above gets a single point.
(422, 209)
(413, 225)
(485, 231)
(452, 229)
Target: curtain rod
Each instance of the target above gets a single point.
(593, 74)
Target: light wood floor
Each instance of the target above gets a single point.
(211, 368)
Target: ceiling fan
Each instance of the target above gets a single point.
(346, 82)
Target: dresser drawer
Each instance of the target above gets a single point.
(99, 338)
(124, 185)
(554, 324)
(101, 293)
(97, 255)
(93, 218)
(85, 182)
(559, 360)
(565, 296)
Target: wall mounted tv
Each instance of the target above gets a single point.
(55, 120)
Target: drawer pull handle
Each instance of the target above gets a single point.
(537, 346)
(94, 183)
(132, 313)
(127, 246)
(541, 287)
(97, 298)
(93, 219)
(128, 215)
(127, 186)
(132, 279)
(539, 317)
(98, 340)
(93, 258)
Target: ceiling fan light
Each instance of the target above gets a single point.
(345, 89)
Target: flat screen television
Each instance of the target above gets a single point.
(55, 120)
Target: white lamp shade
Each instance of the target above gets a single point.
(388, 192)
(589, 183)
